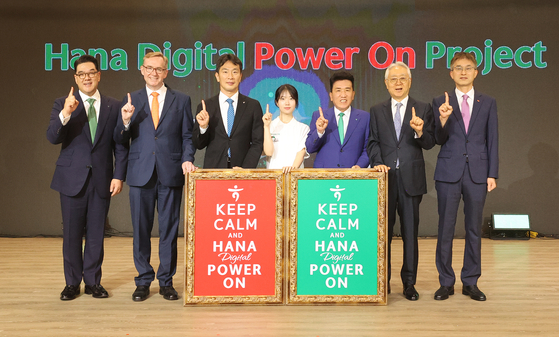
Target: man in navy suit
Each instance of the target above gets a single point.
(229, 125)
(157, 123)
(339, 135)
(84, 176)
(401, 128)
(467, 168)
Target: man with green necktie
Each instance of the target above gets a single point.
(84, 123)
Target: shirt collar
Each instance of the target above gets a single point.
(160, 91)
(404, 101)
(96, 96)
(459, 93)
(223, 98)
(346, 113)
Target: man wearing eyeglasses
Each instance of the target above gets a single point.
(401, 128)
(467, 168)
(157, 123)
(83, 123)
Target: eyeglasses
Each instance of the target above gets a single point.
(149, 70)
(81, 76)
(468, 69)
(395, 80)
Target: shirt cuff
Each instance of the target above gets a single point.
(64, 120)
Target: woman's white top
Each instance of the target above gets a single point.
(288, 139)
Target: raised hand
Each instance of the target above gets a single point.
(127, 111)
(445, 110)
(267, 118)
(416, 123)
(70, 104)
(321, 122)
(203, 118)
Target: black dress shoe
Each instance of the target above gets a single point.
(410, 292)
(169, 293)
(69, 293)
(474, 293)
(140, 294)
(444, 292)
(96, 291)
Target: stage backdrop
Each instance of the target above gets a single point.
(297, 42)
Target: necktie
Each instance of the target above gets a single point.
(398, 120)
(155, 109)
(465, 108)
(398, 126)
(341, 127)
(92, 118)
(230, 120)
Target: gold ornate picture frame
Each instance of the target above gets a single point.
(251, 252)
(333, 186)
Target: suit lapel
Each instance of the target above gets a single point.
(103, 117)
(169, 99)
(456, 112)
(354, 118)
(330, 115)
(213, 106)
(475, 109)
(81, 113)
(241, 108)
(390, 119)
(141, 104)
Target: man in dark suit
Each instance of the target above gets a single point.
(157, 123)
(467, 167)
(84, 124)
(339, 135)
(229, 125)
(400, 129)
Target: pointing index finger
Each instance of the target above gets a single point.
(129, 99)
(267, 108)
(71, 91)
(413, 112)
(320, 111)
(446, 97)
(203, 105)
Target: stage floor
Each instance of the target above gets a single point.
(520, 279)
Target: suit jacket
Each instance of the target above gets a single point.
(330, 152)
(479, 146)
(164, 149)
(384, 148)
(79, 156)
(245, 142)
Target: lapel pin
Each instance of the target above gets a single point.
(478, 100)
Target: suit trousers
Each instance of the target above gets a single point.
(407, 207)
(85, 212)
(143, 201)
(448, 197)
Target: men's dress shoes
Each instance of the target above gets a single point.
(444, 292)
(474, 293)
(96, 291)
(140, 294)
(410, 292)
(169, 293)
(70, 292)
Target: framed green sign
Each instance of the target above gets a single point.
(337, 236)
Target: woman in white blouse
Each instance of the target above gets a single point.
(284, 137)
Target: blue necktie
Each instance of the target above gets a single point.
(398, 126)
(398, 120)
(230, 120)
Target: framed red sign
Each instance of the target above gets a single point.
(234, 236)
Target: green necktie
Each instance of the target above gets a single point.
(92, 118)
(341, 127)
